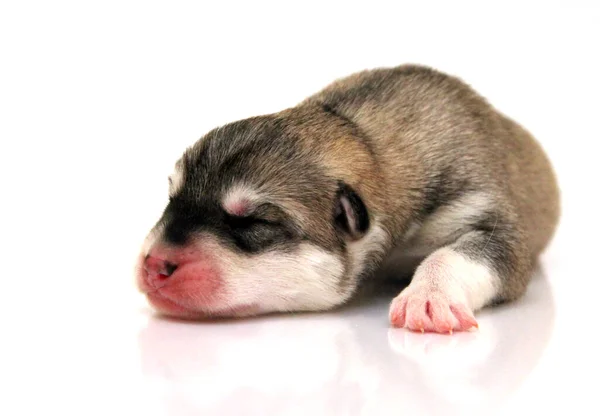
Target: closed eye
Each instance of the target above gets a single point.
(248, 221)
(264, 214)
(253, 233)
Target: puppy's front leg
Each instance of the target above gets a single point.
(481, 267)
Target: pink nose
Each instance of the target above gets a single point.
(158, 267)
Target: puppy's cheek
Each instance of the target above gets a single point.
(305, 279)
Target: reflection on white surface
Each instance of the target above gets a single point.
(347, 362)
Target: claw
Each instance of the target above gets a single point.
(422, 330)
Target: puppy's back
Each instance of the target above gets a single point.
(439, 139)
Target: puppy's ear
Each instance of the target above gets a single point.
(350, 215)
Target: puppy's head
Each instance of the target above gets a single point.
(258, 221)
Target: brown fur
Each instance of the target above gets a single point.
(413, 123)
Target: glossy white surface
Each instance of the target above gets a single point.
(97, 103)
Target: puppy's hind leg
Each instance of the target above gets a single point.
(483, 266)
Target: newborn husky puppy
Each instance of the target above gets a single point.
(290, 211)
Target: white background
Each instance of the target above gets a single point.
(98, 99)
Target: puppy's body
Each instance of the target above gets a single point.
(290, 211)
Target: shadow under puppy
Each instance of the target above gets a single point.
(290, 211)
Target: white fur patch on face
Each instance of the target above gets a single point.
(150, 239)
(239, 199)
(373, 242)
(176, 179)
(444, 223)
(305, 279)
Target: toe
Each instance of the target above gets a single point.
(464, 316)
(441, 317)
(416, 315)
(398, 312)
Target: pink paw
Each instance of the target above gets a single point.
(423, 309)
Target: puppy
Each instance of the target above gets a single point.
(291, 211)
